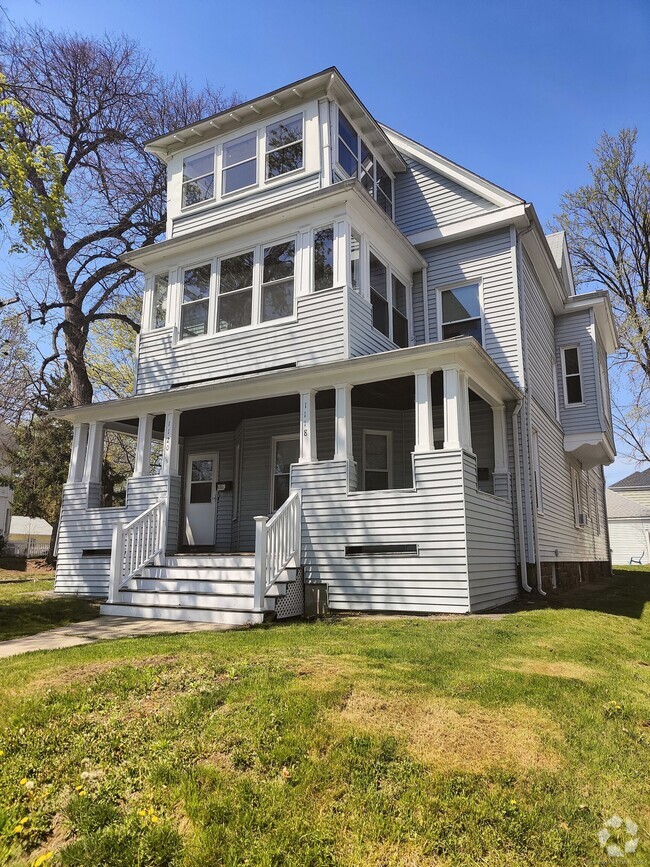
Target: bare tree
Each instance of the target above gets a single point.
(95, 102)
(608, 228)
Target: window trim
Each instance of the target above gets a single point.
(563, 350)
(195, 152)
(274, 441)
(439, 316)
(388, 434)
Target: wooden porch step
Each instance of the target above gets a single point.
(240, 586)
(227, 616)
(212, 561)
(173, 599)
(199, 573)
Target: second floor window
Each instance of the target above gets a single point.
(239, 163)
(196, 301)
(324, 258)
(379, 295)
(235, 300)
(461, 312)
(284, 146)
(160, 291)
(277, 281)
(198, 178)
(572, 375)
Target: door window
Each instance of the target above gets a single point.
(285, 452)
(201, 478)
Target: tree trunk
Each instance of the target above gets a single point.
(75, 330)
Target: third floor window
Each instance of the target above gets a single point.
(357, 161)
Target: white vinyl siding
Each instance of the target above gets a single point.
(629, 539)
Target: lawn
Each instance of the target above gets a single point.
(28, 605)
(353, 741)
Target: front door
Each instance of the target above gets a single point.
(200, 498)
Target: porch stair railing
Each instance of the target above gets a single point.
(277, 546)
(136, 545)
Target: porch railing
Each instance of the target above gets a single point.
(136, 545)
(277, 546)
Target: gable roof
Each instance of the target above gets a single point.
(639, 479)
(499, 196)
(623, 507)
(556, 243)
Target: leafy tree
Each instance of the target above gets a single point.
(607, 222)
(94, 102)
(18, 369)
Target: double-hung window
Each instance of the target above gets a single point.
(348, 150)
(384, 191)
(235, 299)
(239, 163)
(388, 300)
(377, 460)
(160, 292)
(284, 142)
(196, 300)
(379, 295)
(277, 281)
(461, 312)
(324, 258)
(400, 313)
(198, 178)
(572, 375)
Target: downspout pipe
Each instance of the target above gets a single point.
(520, 508)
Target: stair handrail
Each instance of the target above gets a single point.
(277, 546)
(136, 545)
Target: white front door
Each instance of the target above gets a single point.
(200, 498)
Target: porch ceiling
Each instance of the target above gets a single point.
(486, 379)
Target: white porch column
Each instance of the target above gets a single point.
(94, 452)
(456, 407)
(423, 412)
(343, 422)
(500, 441)
(308, 451)
(78, 452)
(143, 447)
(170, 443)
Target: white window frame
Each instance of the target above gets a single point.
(258, 268)
(257, 135)
(188, 156)
(390, 272)
(556, 391)
(217, 289)
(151, 323)
(312, 256)
(274, 442)
(266, 152)
(342, 171)
(576, 495)
(563, 350)
(450, 286)
(537, 471)
(388, 434)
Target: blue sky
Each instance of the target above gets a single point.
(518, 92)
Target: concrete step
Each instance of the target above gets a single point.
(210, 561)
(172, 599)
(187, 584)
(200, 573)
(226, 616)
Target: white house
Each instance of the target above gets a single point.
(628, 517)
(376, 347)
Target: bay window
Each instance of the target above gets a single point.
(461, 312)
(284, 141)
(239, 163)
(277, 281)
(324, 258)
(235, 298)
(196, 301)
(198, 177)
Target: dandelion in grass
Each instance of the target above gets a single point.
(43, 859)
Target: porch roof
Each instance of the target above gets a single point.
(486, 378)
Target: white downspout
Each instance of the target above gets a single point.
(520, 508)
(533, 506)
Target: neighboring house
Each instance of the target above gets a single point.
(629, 530)
(377, 347)
(29, 536)
(6, 493)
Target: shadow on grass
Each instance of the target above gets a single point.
(29, 614)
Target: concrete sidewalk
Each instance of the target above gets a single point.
(101, 629)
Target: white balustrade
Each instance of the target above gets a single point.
(277, 546)
(136, 545)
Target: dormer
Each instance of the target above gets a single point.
(306, 136)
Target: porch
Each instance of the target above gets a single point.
(395, 476)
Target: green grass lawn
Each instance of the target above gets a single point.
(354, 741)
(28, 605)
